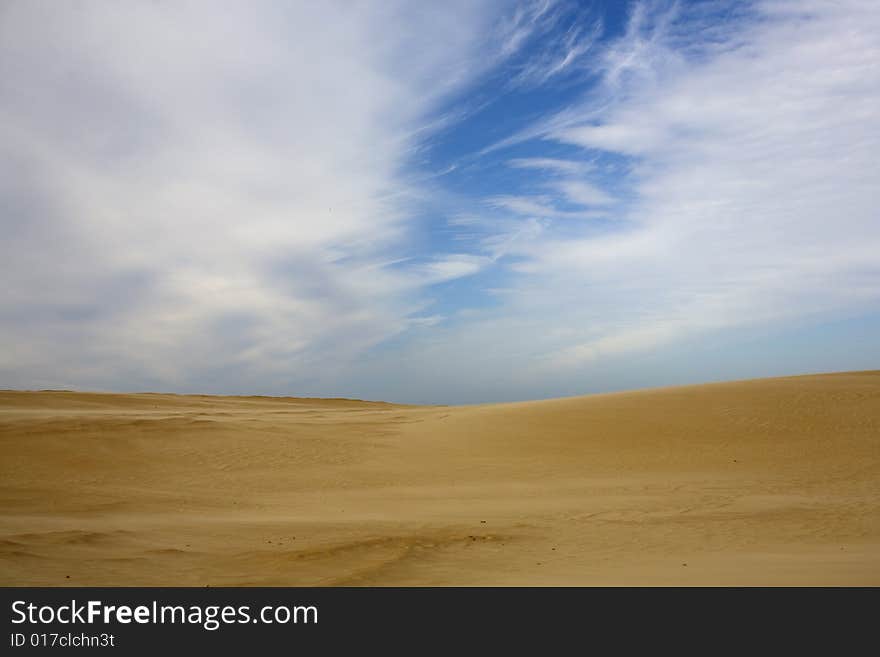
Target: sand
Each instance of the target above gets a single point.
(764, 482)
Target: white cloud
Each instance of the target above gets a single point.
(515, 30)
(199, 189)
(754, 183)
(559, 55)
(555, 165)
(449, 267)
(539, 206)
(581, 192)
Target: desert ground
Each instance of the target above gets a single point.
(762, 482)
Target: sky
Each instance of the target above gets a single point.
(459, 202)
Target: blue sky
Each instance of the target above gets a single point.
(436, 202)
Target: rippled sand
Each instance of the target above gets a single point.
(763, 482)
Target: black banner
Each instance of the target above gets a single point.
(413, 620)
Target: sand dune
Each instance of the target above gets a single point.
(773, 481)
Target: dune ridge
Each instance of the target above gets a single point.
(762, 482)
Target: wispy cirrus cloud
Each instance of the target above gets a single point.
(563, 54)
(752, 194)
(542, 206)
(749, 155)
(555, 165)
